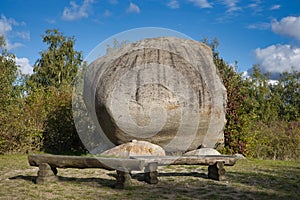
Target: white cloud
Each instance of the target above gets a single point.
(133, 8)
(232, 5)
(278, 58)
(51, 21)
(259, 26)
(245, 74)
(113, 1)
(15, 45)
(77, 12)
(232, 10)
(107, 13)
(201, 3)
(5, 25)
(25, 67)
(289, 26)
(256, 7)
(275, 7)
(23, 35)
(6, 29)
(174, 4)
(255, 4)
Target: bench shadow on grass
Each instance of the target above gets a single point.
(101, 181)
(140, 176)
(22, 177)
(262, 186)
(261, 183)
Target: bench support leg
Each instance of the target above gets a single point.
(54, 170)
(216, 171)
(123, 179)
(46, 174)
(151, 173)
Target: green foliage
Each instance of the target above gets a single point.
(273, 102)
(275, 132)
(262, 102)
(288, 89)
(59, 63)
(8, 97)
(53, 76)
(237, 125)
(276, 140)
(37, 115)
(2, 42)
(8, 75)
(60, 132)
(20, 132)
(262, 118)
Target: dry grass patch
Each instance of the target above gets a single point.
(248, 179)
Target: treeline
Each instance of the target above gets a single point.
(36, 110)
(263, 118)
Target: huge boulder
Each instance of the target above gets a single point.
(163, 90)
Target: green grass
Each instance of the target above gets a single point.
(248, 179)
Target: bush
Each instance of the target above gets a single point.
(41, 121)
(60, 135)
(277, 140)
(21, 130)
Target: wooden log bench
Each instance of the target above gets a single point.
(215, 164)
(48, 165)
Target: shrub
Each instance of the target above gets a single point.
(60, 135)
(21, 130)
(277, 140)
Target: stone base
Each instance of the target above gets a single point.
(150, 175)
(123, 180)
(46, 174)
(43, 180)
(217, 171)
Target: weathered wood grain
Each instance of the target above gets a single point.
(188, 160)
(61, 161)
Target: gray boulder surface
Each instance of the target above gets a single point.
(163, 90)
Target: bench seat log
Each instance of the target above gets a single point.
(188, 160)
(80, 162)
(216, 170)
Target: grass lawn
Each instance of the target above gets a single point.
(248, 179)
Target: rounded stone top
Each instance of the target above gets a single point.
(135, 148)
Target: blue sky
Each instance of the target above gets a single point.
(265, 32)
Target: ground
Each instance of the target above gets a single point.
(248, 179)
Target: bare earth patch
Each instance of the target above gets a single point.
(248, 179)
